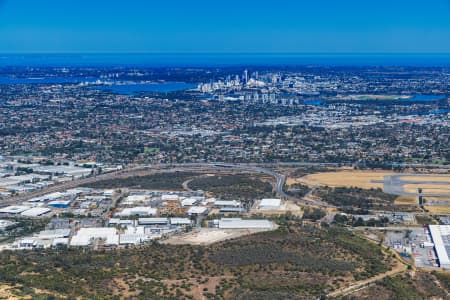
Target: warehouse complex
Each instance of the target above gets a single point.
(89, 217)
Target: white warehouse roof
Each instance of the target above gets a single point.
(115, 221)
(36, 212)
(237, 223)
(232, 203)
(85, 235)
(132, 238)
(54, 234)
(136, 198)
(189, 201)
(153, 221)
(180, 221)
(270, 203)
(14, 209)
(138, 210)
(169, 197)
(441, 239)
(197, 210)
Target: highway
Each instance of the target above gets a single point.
(261, 168)
(167, 168)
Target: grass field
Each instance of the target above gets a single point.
(361, 179)
(405, 200)
(428, 188)
(445, 210)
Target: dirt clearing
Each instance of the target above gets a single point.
(206, 236)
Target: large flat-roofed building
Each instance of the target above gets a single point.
(170, 197)
(231, 210)
(238, 223)
(270, 204)
(13, 209)
(154, 221)
(189, 201)
(441, 239)
(197, 210)
(35, 212)
(54, 234)
(85, 236)
(121, 223)
(180, 221)
(131, 199)
(138, 211)
(226, 203)
(132, 238)
(6, 224)
(59, 203)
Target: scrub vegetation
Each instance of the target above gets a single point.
(293, 262)
(160, 181)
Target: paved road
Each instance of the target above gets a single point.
(186, 186)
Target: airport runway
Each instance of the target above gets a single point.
(393, 184)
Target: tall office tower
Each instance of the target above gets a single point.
(274, 79)
(246, 76)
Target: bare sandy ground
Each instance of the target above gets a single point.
(287, 206)
(6, 293)
(206, 236)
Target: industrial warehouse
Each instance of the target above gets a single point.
(105, 218)
(441, 239)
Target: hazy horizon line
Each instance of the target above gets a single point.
(224, 53)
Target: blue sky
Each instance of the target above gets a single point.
(227, 26)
